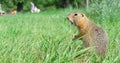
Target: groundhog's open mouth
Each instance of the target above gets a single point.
(71, 22)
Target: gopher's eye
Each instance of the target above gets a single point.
(75, 14)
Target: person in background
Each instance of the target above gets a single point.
(34, 8)
(2, 13)
(0, 8)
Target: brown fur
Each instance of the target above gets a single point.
(90, 33)
(13, 12)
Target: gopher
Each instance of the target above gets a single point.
(90, 33)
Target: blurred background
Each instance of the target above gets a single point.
(47, 4)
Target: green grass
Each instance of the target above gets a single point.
(46, 37)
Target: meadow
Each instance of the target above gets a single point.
(46, 37)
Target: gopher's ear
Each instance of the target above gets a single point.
(82, 15)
